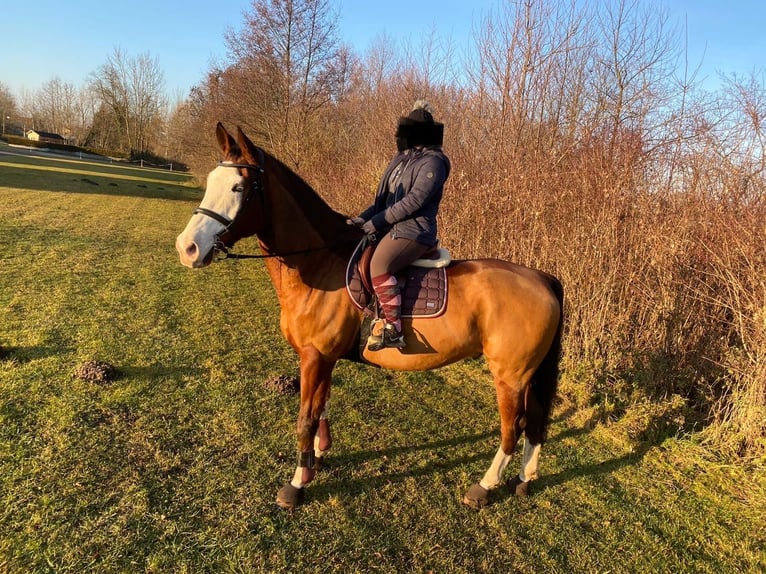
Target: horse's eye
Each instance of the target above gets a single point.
(239, 188)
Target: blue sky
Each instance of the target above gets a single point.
(43, 39)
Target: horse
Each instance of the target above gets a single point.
(511, 314)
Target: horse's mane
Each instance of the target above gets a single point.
(328, 223)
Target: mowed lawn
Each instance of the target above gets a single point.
(174, 466)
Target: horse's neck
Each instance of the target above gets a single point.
(311, 242)
(301, 219)
(303, 281)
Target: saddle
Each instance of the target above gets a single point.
(423, 285)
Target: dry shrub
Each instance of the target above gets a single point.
(734, 288)
(663, 288)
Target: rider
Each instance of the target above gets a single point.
(403, 214)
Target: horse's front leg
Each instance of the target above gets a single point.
(323, 438)
(316, 376)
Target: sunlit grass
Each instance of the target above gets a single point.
(174, 466)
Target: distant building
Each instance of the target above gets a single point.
(46, 137)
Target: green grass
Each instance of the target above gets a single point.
(174, 466)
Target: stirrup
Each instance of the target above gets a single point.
(374, 341)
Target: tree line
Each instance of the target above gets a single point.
(121, 109)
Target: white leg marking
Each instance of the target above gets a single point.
(529, 461)
(495, 472)
(297, 480)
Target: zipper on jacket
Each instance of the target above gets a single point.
(396, 186)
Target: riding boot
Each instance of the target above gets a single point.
(390, 338)
(387, 290)
(393, 337)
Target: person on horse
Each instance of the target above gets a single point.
(403, 214)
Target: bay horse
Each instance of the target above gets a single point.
(511, 314)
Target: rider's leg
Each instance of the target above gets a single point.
(392, 255)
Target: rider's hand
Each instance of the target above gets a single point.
(368, 227)
(358, 221)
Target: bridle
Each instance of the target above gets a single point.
(256, 188)
(220, 250)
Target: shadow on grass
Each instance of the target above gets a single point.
(602, 468)
(356, 486)
(369, 476)
(27, 354)
(96, 184)
(591, 470)
(158, 372)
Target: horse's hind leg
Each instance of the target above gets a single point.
(510, 402)
(534, 434)
(519, 484)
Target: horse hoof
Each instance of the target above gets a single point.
(318, 463)
(289, 497)
(477, 497)
(518, 488)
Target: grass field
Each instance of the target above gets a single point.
(174, 466)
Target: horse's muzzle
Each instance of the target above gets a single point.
(189, 254)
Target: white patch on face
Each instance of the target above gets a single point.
(203, 230)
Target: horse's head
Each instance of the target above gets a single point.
(229, 209)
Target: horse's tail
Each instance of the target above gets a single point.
(546, 377)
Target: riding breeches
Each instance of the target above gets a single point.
(391, 256)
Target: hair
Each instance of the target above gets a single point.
(423, 105)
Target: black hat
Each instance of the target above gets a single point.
(418, 128)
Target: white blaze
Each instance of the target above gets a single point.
(196, 241)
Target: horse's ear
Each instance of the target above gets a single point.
(225, 141)
(248, 148)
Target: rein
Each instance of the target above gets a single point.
(222, 252)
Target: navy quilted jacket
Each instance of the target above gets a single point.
(409, 209)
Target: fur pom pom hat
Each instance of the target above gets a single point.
(418, 128)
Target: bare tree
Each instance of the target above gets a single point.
(55, 107)
(7, 106)
(635, 61)
(147, 85)
(85, 109)
(288, 67)
(529, 74)
(132, 89)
